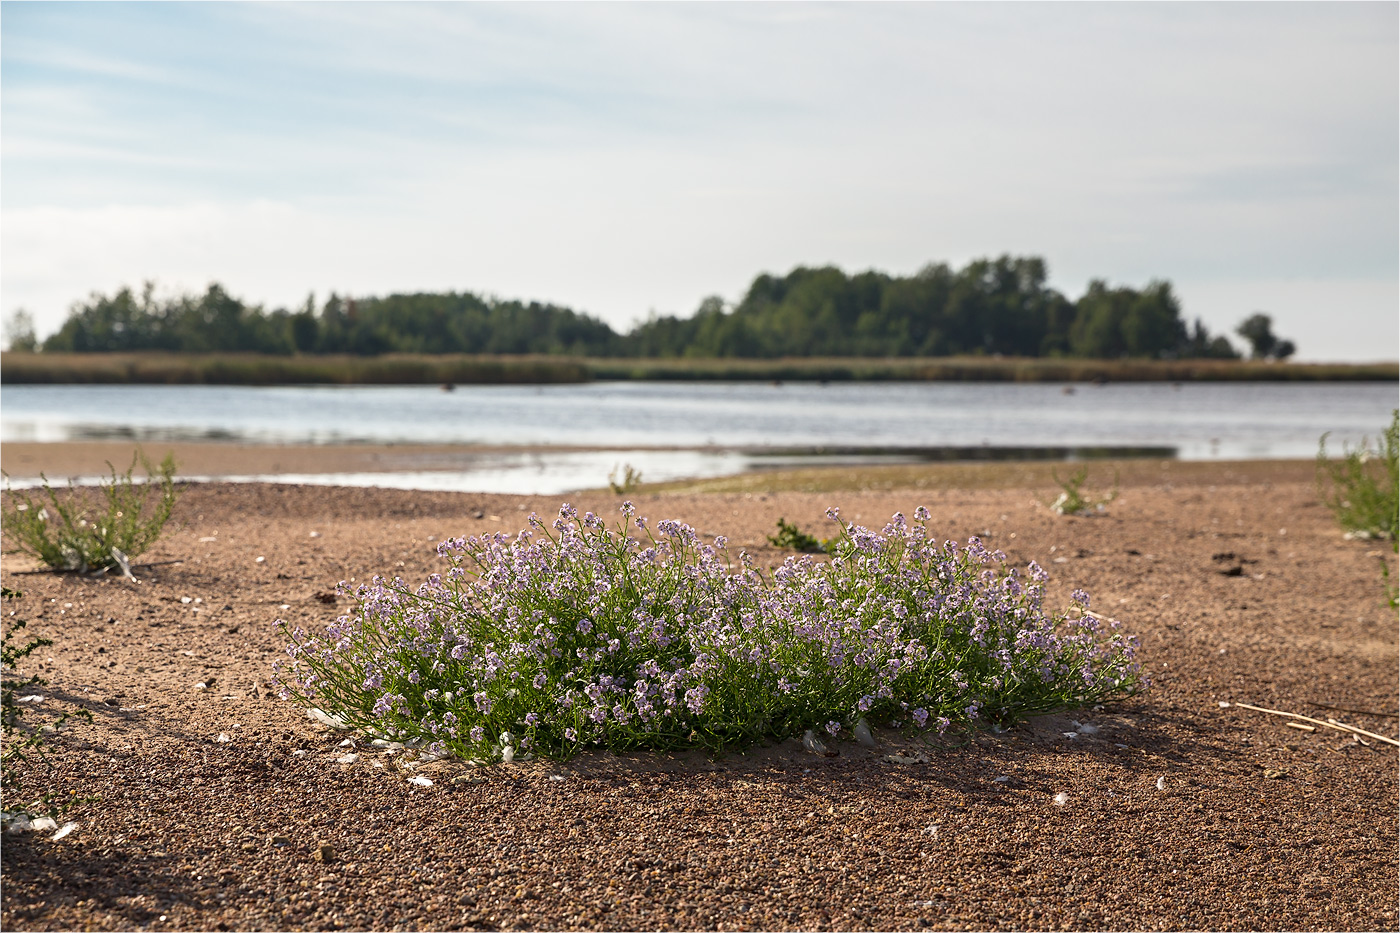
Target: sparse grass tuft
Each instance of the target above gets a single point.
(1363, 488)
(61, 534)
(1072, 500)
(624, 479)
(22, 743)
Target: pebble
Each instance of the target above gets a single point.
(862, 732)
(325, 853)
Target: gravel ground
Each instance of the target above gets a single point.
(1177, 813)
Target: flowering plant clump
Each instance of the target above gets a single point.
(575, 635)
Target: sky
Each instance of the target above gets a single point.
(625, 159)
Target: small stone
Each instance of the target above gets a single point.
(325, 853)
(280, 840)
(248, 846)
(1274, 773)
(862, 732)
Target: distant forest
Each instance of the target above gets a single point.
(990, 306)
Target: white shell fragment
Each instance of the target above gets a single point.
(420, 781)
(507, 754)
(1162, 782)
(64, 830)
(349, 759)
(36, 698)
(224, 737)
(1060, 799)
(326, 719)
(43, 823)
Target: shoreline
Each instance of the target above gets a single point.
(213, 461)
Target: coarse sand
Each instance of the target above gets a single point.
(1176, 813)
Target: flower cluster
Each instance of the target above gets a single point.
(574, 634)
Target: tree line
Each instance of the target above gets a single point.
(990, 306)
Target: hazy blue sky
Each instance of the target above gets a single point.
(625, 158)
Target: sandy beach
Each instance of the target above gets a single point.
(1180, 812)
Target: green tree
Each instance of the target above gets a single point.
(1258, 329)
(19, 332)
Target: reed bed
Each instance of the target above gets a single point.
(421, 369)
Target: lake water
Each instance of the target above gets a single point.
(671, 430)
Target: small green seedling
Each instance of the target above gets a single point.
(1072, 501)
(794, 538)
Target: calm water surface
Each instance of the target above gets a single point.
(719, 428)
